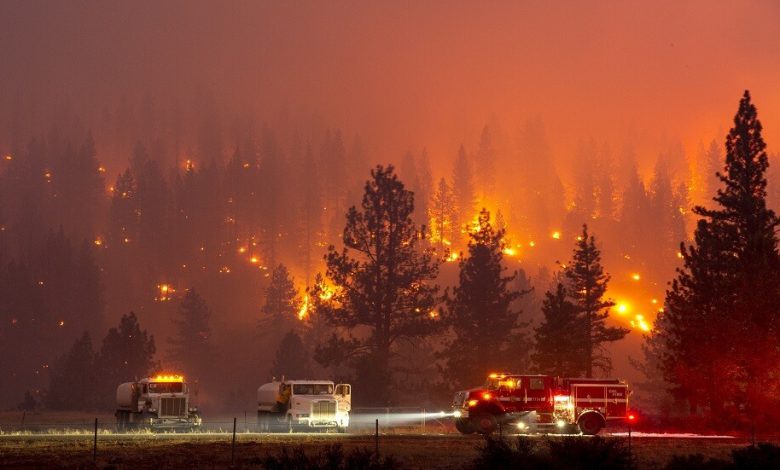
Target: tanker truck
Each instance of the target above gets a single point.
(162, 402)
(303, 405)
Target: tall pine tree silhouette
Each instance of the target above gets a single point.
(587, 288)
(720, 330)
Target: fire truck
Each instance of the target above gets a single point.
(532, 403)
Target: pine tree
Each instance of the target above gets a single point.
(441, 216)
(485, 170)
(383, 292)
(479, 312)
(720, 328)
(587, 287)
(463, 191)
(281, 303)
(291, 360)
(72, 379)
(191, 349)
(127, 353)
(559, 340)
(123, 220)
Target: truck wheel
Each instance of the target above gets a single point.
(485, 423)
(464, 426)
(590, 424)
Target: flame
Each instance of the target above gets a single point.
(556, 235)
(640, 323)
(9, 157)
(509, 251)
(168, 378)
(165, 292)
(326, 292)
(98, 241)
(304, 310)
(636, 276)
(453, 256)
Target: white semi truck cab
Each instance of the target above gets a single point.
(289, 405)
(162, 402)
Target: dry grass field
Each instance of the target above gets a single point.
(52, 440)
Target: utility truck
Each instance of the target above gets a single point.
(162, 402)
(530, 403)
(303, 405)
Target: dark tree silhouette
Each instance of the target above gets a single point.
(719, 332)
(479, 311)
(281, 303)
(126, 354)
(292, 358)
(191, 348)
(559, 341)
(587, 287)
(383, 291)
(463, 191)
(72, 378)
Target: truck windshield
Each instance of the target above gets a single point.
(166, 387)
(312, 389)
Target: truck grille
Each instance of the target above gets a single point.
(323, 410)
(173, 407)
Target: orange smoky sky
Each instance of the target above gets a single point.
(412, 74)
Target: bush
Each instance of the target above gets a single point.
(330, 458)
(567, 452)
(593, 453)
(761, 456)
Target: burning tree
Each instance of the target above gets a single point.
(480, 314)
(441, 213)
(382, 292)
(587, 287)
(718, 336)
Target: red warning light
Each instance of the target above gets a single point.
(631, 417)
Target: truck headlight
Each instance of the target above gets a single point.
(457, 413)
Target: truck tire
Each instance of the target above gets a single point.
(485, 423)
(590, 423)
(464, 426)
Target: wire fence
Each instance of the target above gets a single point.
(362, 421)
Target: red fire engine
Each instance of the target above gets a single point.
(531, 402)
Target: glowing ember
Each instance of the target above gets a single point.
(254, 260)
(165, 292)
(640, 322)
(636, 276)
(622, 308)
(452, 257)
(556, 235)
(532, 243)
(98, 241)
(509, 251)
(9, 158)
(242, 250)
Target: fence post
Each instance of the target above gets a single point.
(233, 447)
(94, 444)
(376, 437)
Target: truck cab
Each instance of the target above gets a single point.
(303, 405)
(162, 402)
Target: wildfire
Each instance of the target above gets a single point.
(254, 260)
(509, 251)
(556, 235)
(453, 256)
(636, 276)
(165, 292)
(98, 241)
(640, 323)
(8, 157)
(622, 308)
(304, 310)
(326, 292)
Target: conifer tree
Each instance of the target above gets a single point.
(719, 332)
(485, 170)
(463, 191)
(559, 340)
(383, 285)
(191, 348)
(291, 360)
(442, 217)
(72, 380)
(127, 353)
(587, 288)
(479, 311)
(281, 303)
